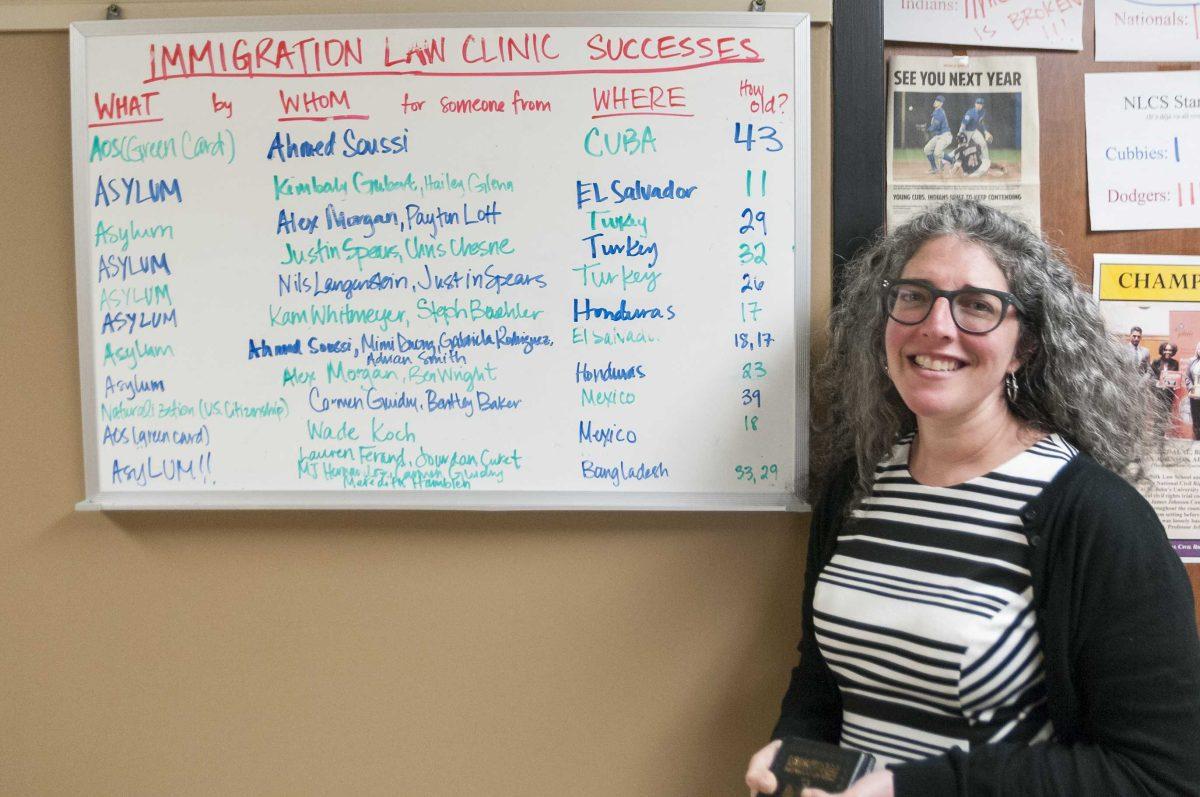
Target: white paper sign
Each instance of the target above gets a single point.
(1147, 30)
(1143, 150)
(1040, 24)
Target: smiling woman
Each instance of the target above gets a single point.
(948, 361)
(1069, 377)
(989, 607)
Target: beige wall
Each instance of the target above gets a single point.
(410, 653)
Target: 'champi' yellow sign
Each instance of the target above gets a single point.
(1144, 282)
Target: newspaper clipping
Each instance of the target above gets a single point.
(963, 127)
(1151, 303)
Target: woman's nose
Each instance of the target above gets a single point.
(940, 320)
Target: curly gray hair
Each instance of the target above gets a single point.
(1075, 379)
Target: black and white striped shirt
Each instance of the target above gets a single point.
(925, 613)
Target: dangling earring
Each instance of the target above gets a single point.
(1012, 388)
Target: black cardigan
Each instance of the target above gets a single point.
(1118, 630)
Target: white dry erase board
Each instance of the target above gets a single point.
(439, 261)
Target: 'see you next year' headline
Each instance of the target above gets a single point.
(956, 78)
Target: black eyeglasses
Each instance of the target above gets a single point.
(976, 311)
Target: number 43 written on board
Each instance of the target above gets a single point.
(749, 135)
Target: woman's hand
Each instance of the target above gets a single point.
(877, 784)
(759, 777)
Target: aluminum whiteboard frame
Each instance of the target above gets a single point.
(794, 501)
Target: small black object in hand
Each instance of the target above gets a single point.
(802, 763)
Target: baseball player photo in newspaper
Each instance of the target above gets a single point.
(983, 142)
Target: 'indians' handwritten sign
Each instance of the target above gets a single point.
(1041, 24)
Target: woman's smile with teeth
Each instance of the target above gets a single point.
(935, 363)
